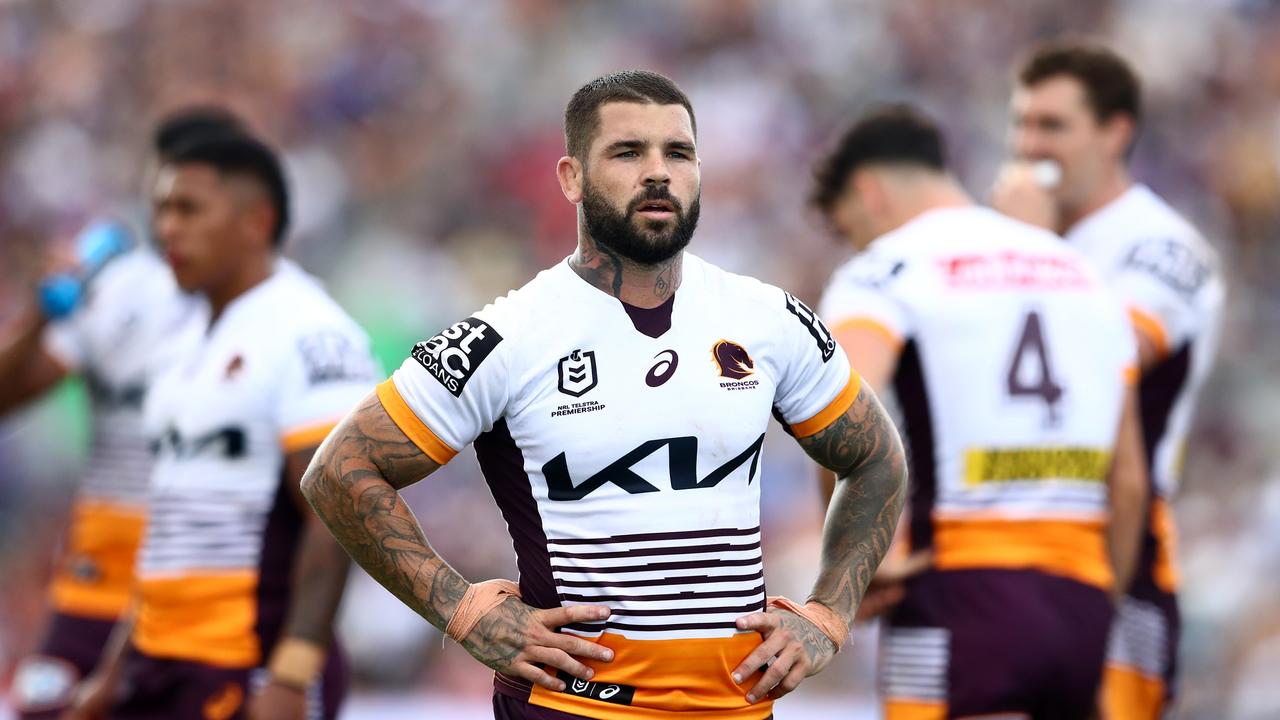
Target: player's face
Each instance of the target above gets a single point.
(851, 220)
(641, 181)
(1053, 121)
(194, 219)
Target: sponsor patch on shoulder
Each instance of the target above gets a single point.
(454, 355)
(1171, 262)
(821, 336)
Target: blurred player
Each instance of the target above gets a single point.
(1076, 110)
(618, 404)
(232, 574)
(116, 329)
(1027, 484)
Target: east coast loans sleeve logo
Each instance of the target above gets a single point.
(453, 356)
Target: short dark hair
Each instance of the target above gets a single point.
(894, 134)
(183, 126)
(1110, 85)
(241, 155)
(582, 115)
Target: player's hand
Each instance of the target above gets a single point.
(886, 588)
(796, 646)
(515, 639)
(1018, 194)
(92, 698)
(278, 702)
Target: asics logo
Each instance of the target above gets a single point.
(663, 369)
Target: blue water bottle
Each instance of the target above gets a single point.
(96, 246)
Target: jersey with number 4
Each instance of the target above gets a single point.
(623, 448)
(1011, 378)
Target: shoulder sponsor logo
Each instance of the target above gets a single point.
(330, 356)
(454, 355)
(663, 369)
(876, 273)
(821, 336)
(1170, 262)
(577, 372)
(615, 693)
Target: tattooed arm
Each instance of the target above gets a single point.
(353, 485)
(863, 449)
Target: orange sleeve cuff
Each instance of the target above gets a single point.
(307, 437)
(1151, 328)
(866, 323)
(411, 426)
(833, 410)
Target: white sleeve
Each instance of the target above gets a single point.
(67, 342)
(816, 385)
(1159, 280)
(327, 371)
(864, 292)
(452, 388)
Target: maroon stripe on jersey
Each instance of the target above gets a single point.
(640, 552)
(651, 321)
(678, 580)
(688, 595)
(503, 466)
(664, 612)
(641, 537)
(647, 567)
(610, 625)
(917, 421)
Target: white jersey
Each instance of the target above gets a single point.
(623, 448)
(1011, 380)
(275, 372)
(1169, 278)
(132, 324)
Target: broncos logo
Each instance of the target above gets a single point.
(732, 359)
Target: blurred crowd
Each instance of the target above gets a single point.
(421, 137)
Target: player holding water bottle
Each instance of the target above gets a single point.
(111, 313)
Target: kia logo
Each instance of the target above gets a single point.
(663, 369)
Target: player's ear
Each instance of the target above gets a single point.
(1119, 131)
(569, 173)
(869, 186)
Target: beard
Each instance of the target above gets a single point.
(642, 241)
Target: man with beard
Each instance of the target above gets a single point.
(618, 404)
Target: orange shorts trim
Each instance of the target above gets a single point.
(1127, 694)
(413, 428)
(837, 407)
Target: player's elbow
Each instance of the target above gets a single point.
(314, 482)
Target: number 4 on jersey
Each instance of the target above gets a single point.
(1031, 350)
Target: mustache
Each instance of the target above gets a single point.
(655, 192)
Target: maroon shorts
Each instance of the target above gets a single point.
(506, 707)
(983, 642)
(44, 681)
(163, 689)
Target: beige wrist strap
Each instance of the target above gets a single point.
(826, 619)
(296, 663)
(479, 600)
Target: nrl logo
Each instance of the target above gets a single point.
(578, 373)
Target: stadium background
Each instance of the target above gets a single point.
(421, 137)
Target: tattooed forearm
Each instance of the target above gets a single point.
(352, 486)
(865, 452)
